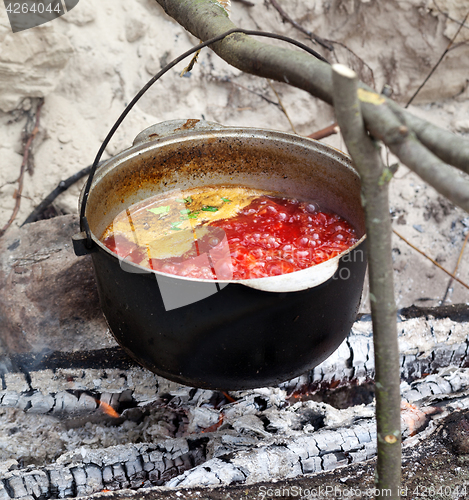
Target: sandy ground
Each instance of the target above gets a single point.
(89, 63)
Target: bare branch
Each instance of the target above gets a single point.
(245, 2)
(386, 122)
(282, 107)
(367, 159)
(25, 164)
(455, 270)
(61, 187)
(205, 19)
(449, 147)
(432, 170)
(449, 17)
(325, 132)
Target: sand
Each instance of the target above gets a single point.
(88, 64)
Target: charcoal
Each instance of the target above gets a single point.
(195, 437)
(350, 440)
(10, 399)
(311, 464)
(119, 476)
(62, 483)
(426, 345)
(256, 445)
(3, 492)
(94, 478)
(332, 460)
(108, 476)
(36, 483)
(16, 486)
(80, 479)
(362, 348)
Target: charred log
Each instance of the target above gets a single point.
(259, 438)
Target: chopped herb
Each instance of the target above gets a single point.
(226, 200)
(209, 209)
(159, 210)
(175, 226)
(185, 211)
(184, 200)
(193, 215)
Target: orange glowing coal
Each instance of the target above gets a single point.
(416, 417)
(108, 409)
(214, 427)
(231, 399)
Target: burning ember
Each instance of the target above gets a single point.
(108, 409)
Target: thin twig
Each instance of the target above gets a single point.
(450, 282)
(362, 62)
(327, 44)
(459, 44)
(430, 259)
(24, 164)
(282, 107)
(321, 41)
(325, 132)
(61, 187)
(438, 62)
(255, 93)
(449, 17)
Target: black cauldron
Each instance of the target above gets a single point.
(226, 335)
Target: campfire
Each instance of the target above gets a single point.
(79, 417)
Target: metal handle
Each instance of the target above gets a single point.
(84, 226)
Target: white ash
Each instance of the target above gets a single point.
(260, 437)
(426, 345)
(53, 424)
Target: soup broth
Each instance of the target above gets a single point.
(225, 232)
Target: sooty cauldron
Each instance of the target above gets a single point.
(238, 334)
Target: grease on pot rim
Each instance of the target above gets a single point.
(226, 232)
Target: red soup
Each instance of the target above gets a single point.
(227, 233)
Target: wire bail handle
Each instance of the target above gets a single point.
(84, 226)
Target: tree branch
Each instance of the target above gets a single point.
(35, 114)
(448, 147)
(205, 19)
(367, 159)
(61, 187)
(432, 170)
(387, 126)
